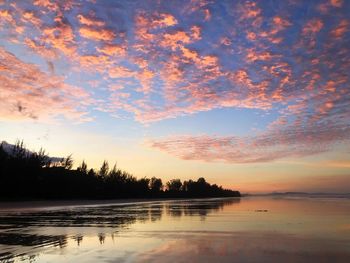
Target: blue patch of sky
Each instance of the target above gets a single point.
(221, 122)
(106, 125)
(27, 56)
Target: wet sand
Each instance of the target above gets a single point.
(53, 204)
(250, 229)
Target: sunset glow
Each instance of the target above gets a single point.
(252, 95)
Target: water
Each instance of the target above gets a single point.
(212, 230)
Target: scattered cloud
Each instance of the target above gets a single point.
(28, 92)
(90, 21)
(286, 142)
(165, 60)
(97, 34)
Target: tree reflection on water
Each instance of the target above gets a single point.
(16, 227)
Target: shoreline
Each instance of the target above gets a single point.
(56, 204)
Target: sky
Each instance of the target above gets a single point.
(252, 95)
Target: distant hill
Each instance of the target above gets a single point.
(9, 149)
(304, 194)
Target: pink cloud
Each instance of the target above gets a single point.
(90, 21)
(49, 4)
(97, 34)
(120, 72)
(253, 56)
(195, 6)
(112, 50)
(93, 62)
(163, 20)
(288, 141)
(27, 92)
(60, 37)
(192, 59)
(341, 29)
(7, 18)
(313, 26)
(145, 24)
(32, 18)
(249, 9)
(326, 6)
(207, 14)
(55, 6)
(40, 49)
(336, 3)
(175, 40)
(196, 33)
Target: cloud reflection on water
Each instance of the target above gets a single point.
(15, 225)
(216, 230)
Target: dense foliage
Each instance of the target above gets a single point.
(34, 175)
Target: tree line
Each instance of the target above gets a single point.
(34, 175)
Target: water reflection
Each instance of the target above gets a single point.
(23, 233)
(246, 247)
(78, 239)
(202, 208)
(216, 230)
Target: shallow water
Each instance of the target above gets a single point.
(253, 229)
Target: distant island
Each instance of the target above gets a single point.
(28, 175)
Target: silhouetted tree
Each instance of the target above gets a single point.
(68, 162)
(104, 170)
(39, 159)
(91, 173)
(82, 168)
(142, 188)
(27, 174)
(19, 151)
(156, 184)
(114, 173)
(174, 185)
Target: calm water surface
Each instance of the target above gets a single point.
(208, 230)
